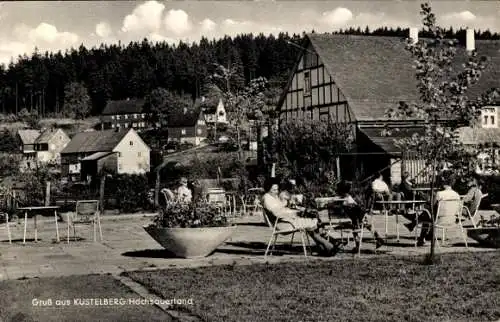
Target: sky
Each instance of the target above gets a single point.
(59, 25)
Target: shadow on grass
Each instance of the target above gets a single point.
(20, 240)
(471, 245)
(400, 245)
(150, 253)
(256, 224)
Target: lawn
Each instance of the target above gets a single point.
(16, 300)
(463, 287)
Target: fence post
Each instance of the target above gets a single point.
(101, 192)
(47, 194)
(157, 189)
(337, 164)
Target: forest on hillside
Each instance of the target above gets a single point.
(42, 83)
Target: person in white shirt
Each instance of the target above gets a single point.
(183, 193)
(379, 186)
(446, 194)
(380, 192)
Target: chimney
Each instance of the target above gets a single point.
(470, 43)
(413, 35)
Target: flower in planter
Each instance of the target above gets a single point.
(193, 215)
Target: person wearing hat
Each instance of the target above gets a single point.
(183, 192)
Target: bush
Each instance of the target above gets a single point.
(306, 151)
(192, 215)
(130, 191)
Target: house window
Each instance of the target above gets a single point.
(118, 125)
(118, 117)
(183, 132)
(112, 126)
(131, 142)
(307, 83)
(135, 116)
(139, 154)
(112, 117)
(119, 154)
(143, 115)
(126, 116)
(199, 131)
(489, 117)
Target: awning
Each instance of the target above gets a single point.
(388, 142)
(97, 156)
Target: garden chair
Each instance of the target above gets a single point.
(345, 226)
(87, 212)
(446, 214)
(472, 213)
(273, 221)
(251, 201)
(4, 215)
(220, 198)
(168, 195)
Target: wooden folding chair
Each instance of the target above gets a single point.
(87, 212)
(273, 221)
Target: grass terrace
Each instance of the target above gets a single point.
(463, 287)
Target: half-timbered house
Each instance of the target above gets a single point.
(356, 80)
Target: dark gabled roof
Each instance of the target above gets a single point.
(375, 73)
(28, 136)
(47, 135)
(129, 106)
(94, 141)
(180, 119)
(388, 142)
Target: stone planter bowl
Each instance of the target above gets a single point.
(190, 242)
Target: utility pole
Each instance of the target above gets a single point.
(17, 107)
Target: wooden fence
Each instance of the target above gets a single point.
(419, 172)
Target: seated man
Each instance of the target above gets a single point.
(273, 204)
(473, 197)
(404, 191)
(446, 194)
(380, 191)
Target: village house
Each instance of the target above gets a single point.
(26, 139)
(214, 110)
(357, 79)
(49, 144)
(124, 114)
(187, 126)
(89, 153)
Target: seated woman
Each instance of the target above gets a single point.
(273, 204)
(355, 211)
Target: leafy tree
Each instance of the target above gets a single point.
(8, 142)
(442, 97)
(161, 102)
(76, 100)
(300, 149)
